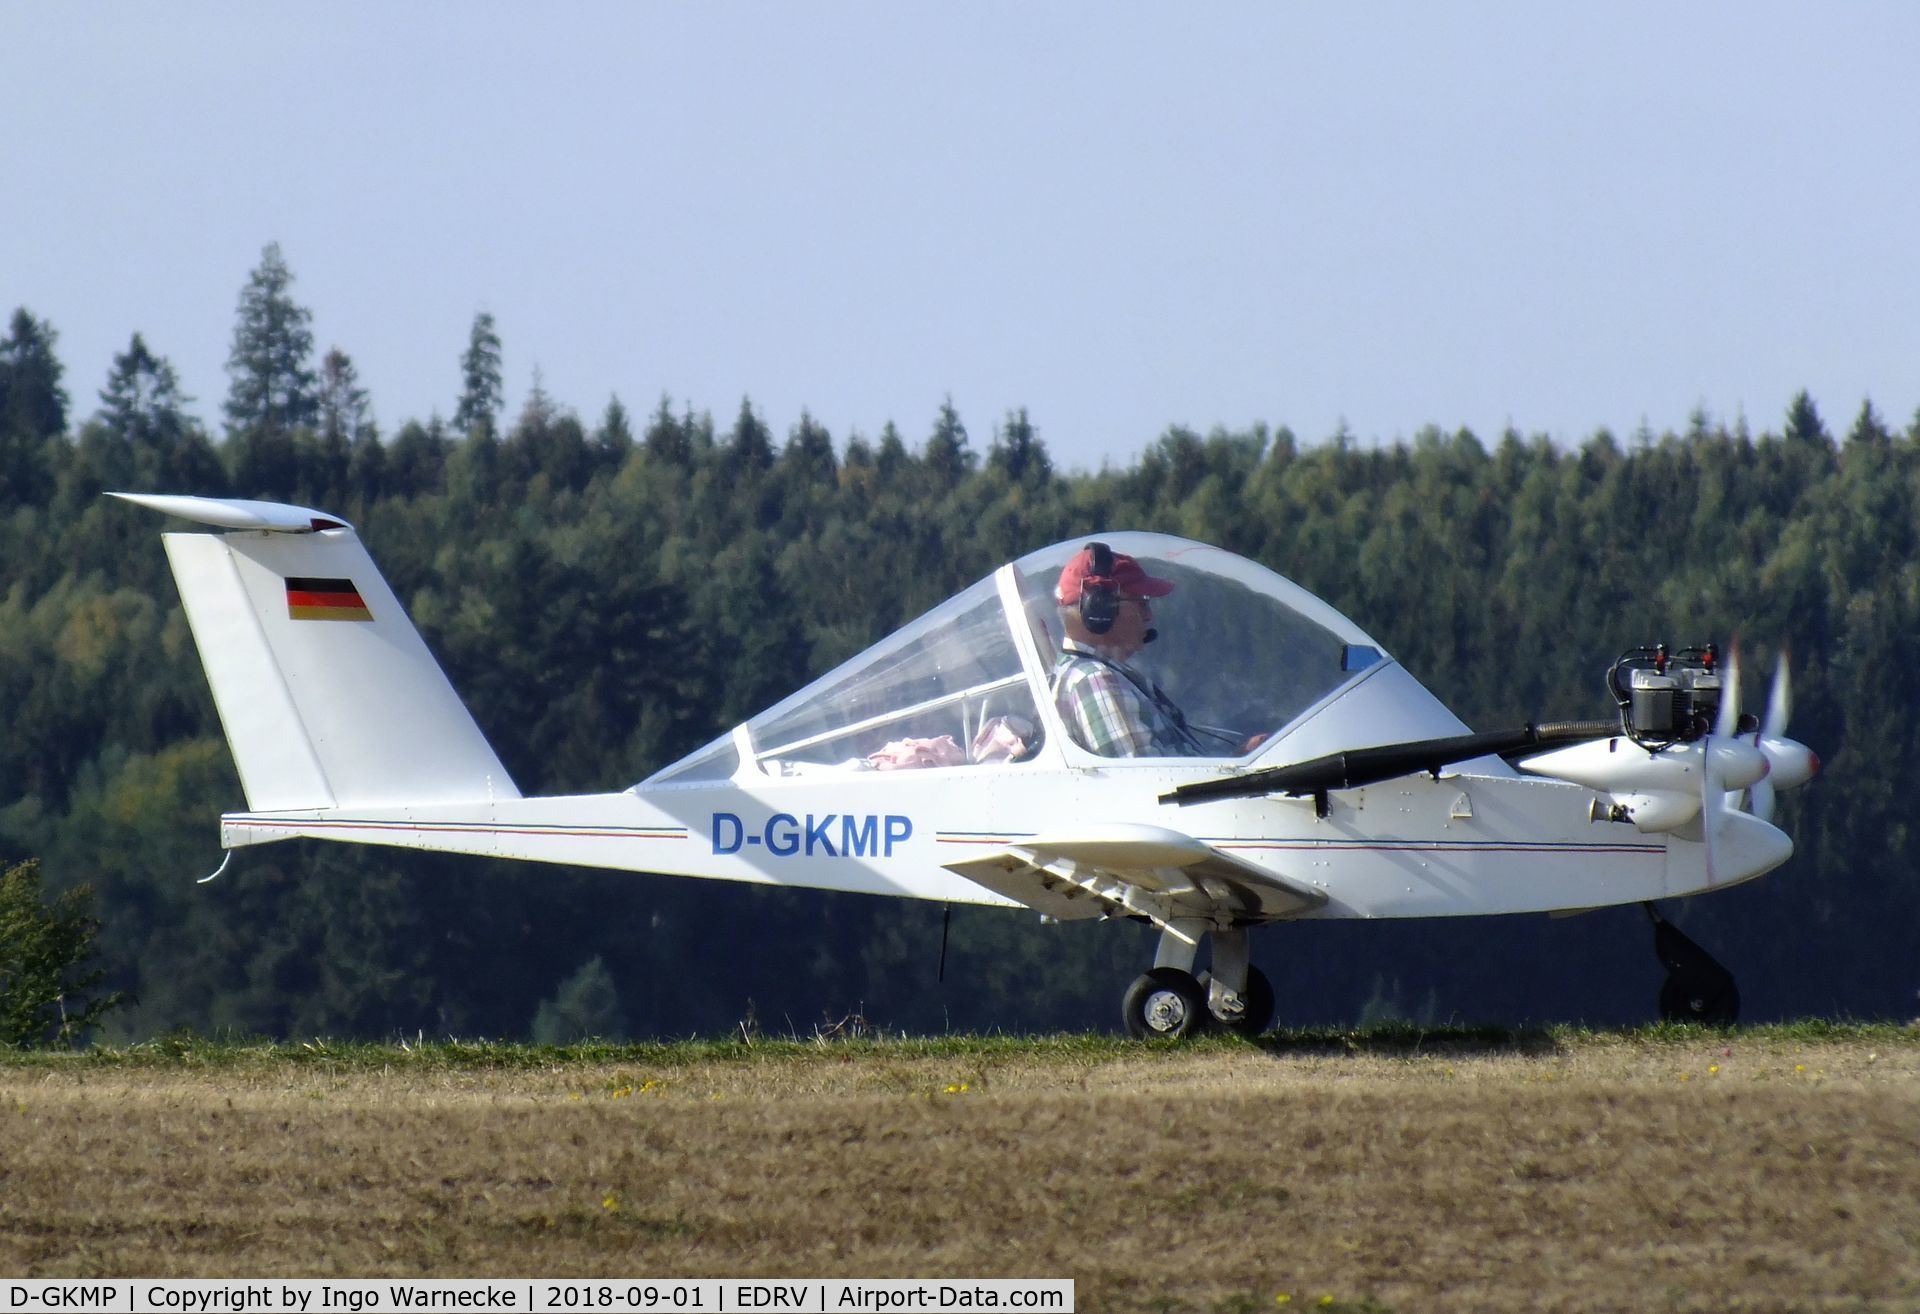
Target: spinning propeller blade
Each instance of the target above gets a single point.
(1726, 727)
(1760, 798)
(1779, 700)
(1711, 805)
(1727, 723)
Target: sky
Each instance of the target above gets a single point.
(1121, 217)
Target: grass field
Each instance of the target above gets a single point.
(1761, 1169)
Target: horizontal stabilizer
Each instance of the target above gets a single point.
(237, 513)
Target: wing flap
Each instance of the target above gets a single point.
(1136, 870)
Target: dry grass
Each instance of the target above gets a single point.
(1755, 1171)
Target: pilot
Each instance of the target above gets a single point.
(1106, 602)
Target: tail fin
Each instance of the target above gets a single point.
(328, 695)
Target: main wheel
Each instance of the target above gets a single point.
(1164, 1004)
(1256, 1015)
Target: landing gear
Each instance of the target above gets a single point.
(1170, 1003)
(1164, 1004)
(1697, 988)
(1254, 1013)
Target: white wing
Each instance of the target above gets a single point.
(1126, 869)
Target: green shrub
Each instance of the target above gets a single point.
(44, 952)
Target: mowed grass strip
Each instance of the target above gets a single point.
(1669, 1169)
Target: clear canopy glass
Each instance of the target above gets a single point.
(1242, 651)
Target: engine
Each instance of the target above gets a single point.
(1667, 697)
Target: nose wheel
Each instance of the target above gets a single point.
(1697, 988)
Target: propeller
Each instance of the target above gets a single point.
(1729, 764)
(1782, 754)
(1779, 698)
(1727, 723)
(1726, 727)
(1789, 762)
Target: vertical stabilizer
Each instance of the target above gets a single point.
(328, 695)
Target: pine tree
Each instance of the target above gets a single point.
(481, 392)
(345, 418)
(1869, 432)
(809, 452)
(546, 439)
(1017, 451)
(947, 454)
(367, 467)
(666, 438)
(142, 400)
(271, 394)
(416, 463)
(614, 438)
(891, 456)
(342, 403)
(1804, 428)
(33, 409)
(143, 420)
(32, 402)
(750, 445)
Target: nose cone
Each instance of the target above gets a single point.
(1792, 762)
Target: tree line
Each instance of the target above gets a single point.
(609, 595)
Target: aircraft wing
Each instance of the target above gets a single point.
(1126, 869)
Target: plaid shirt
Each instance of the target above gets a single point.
(1114, 710)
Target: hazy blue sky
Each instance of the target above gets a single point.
(1551, 217)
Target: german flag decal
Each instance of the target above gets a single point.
(326, 599)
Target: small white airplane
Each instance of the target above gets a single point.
(938, 764)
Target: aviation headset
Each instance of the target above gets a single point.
(1099, 592)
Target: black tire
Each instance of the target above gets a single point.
(1257, 1016)
(1709, 997)
(1164, 1004)
(1697, 988)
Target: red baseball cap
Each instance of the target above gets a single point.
(1129, 579)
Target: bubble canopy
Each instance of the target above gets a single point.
(1241, 650)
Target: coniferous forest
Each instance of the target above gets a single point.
(611, 591)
